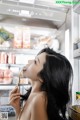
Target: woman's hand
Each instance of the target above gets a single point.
(14, 99)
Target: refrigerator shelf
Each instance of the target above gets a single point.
(19, 51)
(12, 65)
(10, 87)
(23, 51)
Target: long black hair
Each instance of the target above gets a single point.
(56, 75)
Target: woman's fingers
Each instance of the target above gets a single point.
(14, 90)
(14, 95)
(13, 99)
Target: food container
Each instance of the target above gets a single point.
(75, 46)
(26, 38)
(3, 58)
(74, 112)
(1, 76)
(18, 38)
(78, 44)
(7, 76)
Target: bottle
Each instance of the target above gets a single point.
(78, 98)
(8, 75)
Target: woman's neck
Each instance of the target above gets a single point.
(36, 86)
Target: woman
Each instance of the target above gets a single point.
(50, 74)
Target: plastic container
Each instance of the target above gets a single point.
(75, 46)
(77, 98)
(78, 44)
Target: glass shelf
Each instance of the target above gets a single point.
(13, 84)
(19, 51)
(12, 65)
(23, 51)
(10, 87)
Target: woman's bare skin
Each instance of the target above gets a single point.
(35, 107)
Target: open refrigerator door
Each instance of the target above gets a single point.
(18, 45)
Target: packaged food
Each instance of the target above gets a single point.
(11, 58)
(15, 80)
(78, 98)
(1, 75)
(26, 37)
(77, 95)
(0, 57)
(7, 76)
(18, 38)
(4, 58)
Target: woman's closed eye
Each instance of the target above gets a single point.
(35, 62)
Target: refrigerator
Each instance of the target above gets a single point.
(25, 28)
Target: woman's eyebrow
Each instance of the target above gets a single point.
(38, 60)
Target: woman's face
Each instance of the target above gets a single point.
(33, 67)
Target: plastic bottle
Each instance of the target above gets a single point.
(78, 98)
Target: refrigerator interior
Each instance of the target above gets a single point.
(45, 25)
(10, 68)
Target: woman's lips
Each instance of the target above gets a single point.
(24, 69)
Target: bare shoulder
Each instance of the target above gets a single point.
(39, 109)
(40, 98)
